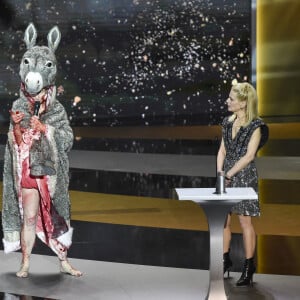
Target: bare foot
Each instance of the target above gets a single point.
(65, 267)
(23, 272)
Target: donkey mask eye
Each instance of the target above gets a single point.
(49, 64)
(26, 61)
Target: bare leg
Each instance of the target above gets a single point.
(30, 209)
(227, 234)
(249, 236)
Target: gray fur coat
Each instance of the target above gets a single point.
(59, 137)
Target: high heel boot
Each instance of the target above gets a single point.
(227, 263)
(247, 275)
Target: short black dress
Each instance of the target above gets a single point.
(237, 148)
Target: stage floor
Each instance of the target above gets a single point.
(111, 281)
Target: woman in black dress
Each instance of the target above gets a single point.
(243, 134)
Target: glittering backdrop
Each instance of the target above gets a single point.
(134, 62)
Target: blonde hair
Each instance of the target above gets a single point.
(246, 92)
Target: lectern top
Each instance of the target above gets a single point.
(194, 194)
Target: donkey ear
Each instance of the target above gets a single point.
(54, 38)
(30, 36)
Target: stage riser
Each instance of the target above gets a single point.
(143, 245)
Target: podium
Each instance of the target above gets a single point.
(216, 208)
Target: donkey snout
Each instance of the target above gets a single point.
(33, 82)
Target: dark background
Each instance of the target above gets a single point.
(134, 62)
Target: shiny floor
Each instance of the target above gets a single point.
(132, 238)
(116, 281)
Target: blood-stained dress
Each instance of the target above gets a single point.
(49, 224)
(53, 224)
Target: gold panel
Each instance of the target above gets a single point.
(278, 63)
(278, 84)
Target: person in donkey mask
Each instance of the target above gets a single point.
(36, 167)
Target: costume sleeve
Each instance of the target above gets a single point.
(64, 134)
(59, 129)
(59, 135)
(11, 218)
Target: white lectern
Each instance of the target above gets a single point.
(216, 208)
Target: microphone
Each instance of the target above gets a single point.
(36, 108)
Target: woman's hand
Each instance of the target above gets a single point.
(16, 116)
(37, 125)
(227, 180)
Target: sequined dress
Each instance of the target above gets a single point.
(235, 149)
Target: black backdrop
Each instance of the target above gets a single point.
(134, 62)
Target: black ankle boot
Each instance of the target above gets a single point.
(248, 271)
(227, 263)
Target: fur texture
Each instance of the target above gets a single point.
(58, 138)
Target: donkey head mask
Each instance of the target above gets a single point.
(38, 70)
(38, 66)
